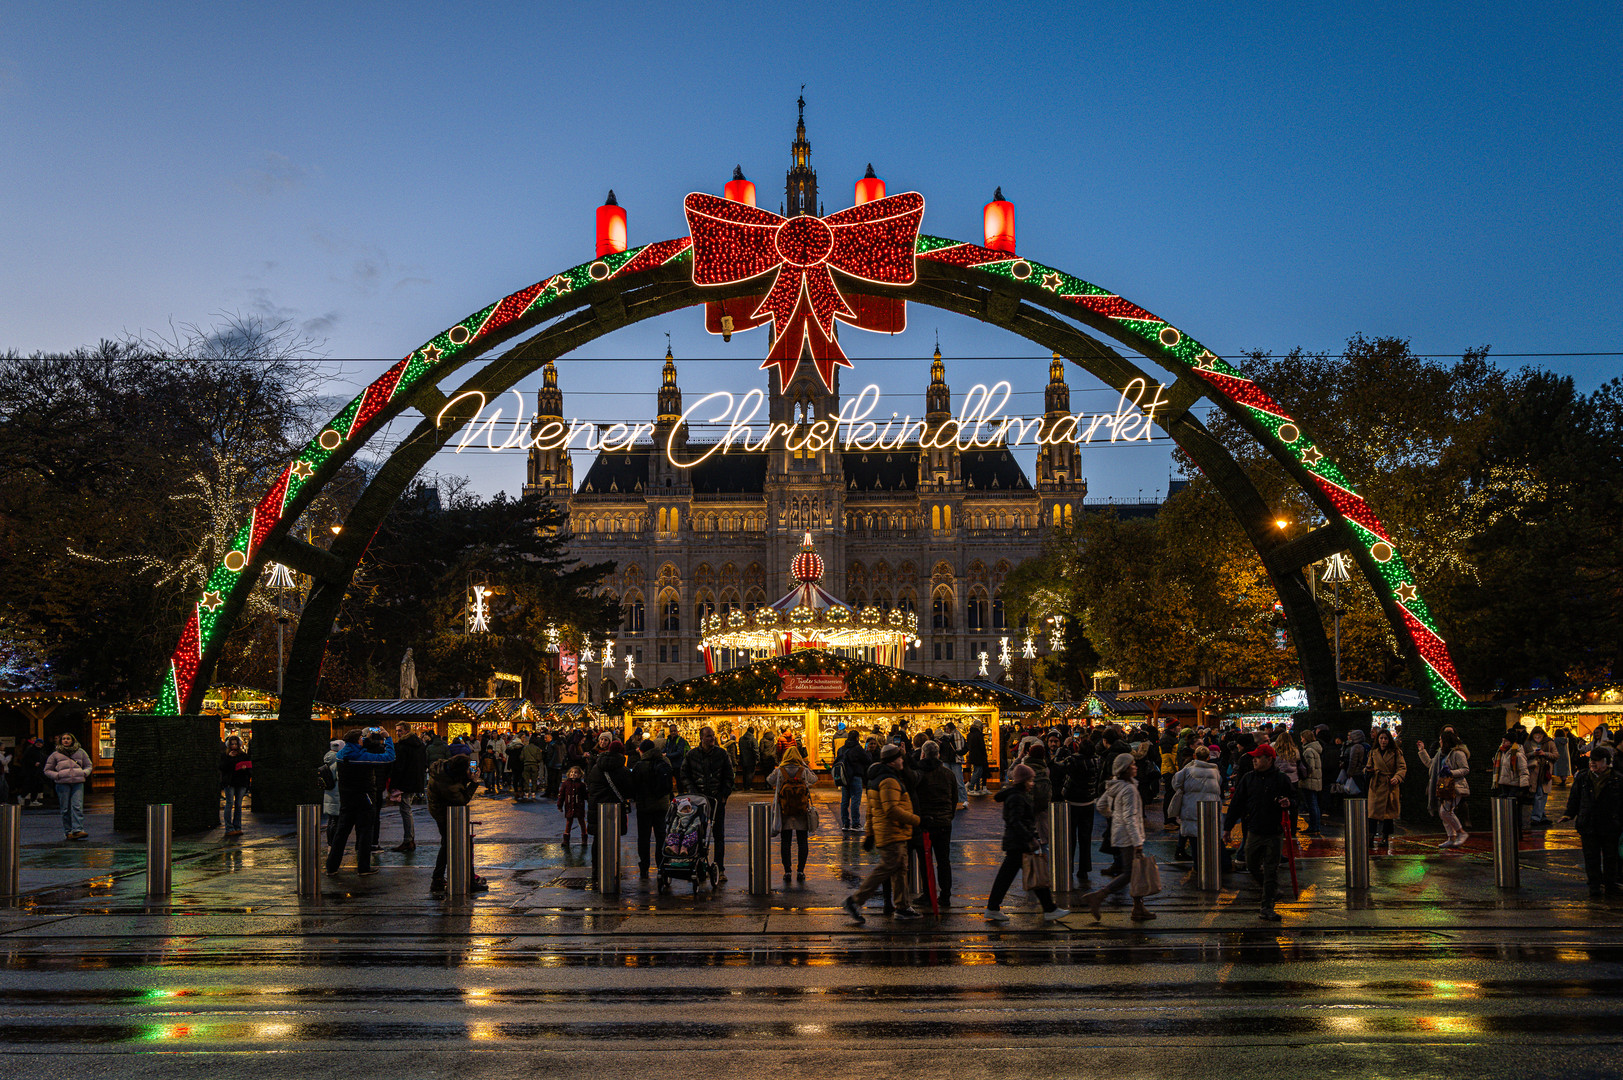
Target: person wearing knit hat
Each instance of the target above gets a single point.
(792, 812)
(1125, 808)
(890, 826)
(1020, 841)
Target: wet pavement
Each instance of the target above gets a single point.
(1433, 971)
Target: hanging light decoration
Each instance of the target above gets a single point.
(586, 656)
(608, 654)
(1029, 649)
(984, 657)
(1000, 223)
(1003, 657)
(478, 610)
(631, 668)
(611, 227)
(279, 577)
(1056, 634)
(552, 638)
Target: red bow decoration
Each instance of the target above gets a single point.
(733, 242)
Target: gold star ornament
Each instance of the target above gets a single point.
(212, 600)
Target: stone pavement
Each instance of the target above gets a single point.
(245, 886)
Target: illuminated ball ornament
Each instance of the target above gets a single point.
(808, 565)
(611, 227)
(1000, 223)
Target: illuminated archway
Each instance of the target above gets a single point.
(1038, 302)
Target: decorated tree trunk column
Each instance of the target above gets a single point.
(286, 755)
(167, 759)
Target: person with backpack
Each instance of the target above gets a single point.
(1080, 789)
(937, 801)
(1310, 781)
(358, 785)
(236, 774)
(651, 783)
(952, 756)
(851, 767)
(451, 782)
(793, 816)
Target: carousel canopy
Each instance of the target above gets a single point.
(812, 677)
(810, 616)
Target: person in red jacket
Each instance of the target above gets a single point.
(236, 774)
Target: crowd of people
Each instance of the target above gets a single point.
(901, 793)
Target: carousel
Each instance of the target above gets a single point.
(808, 617)
(809, 670)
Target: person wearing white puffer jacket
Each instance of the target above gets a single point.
(68, 768)
(1198, 782)
(1125, 807)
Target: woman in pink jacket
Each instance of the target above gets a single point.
(68, 768)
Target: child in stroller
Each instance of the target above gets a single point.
(686, 855)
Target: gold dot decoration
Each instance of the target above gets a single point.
(1289, 433)
(458, 335)
(1381, 552)
(1169, 337)
(235, 561)
(1021, 270)
(330, 439)
(599, 270)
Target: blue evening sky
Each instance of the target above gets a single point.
(1263, 175)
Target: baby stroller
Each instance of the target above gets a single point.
(686, 854)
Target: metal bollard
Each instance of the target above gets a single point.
(1209, 847)
(1059, 845)
(760, 849)
(1356, 811)
(459, 855)
(307, 852)
(606, 865)
(160, 849)
(11, 850)
(1507, 869)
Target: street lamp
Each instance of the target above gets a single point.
(1335, 572)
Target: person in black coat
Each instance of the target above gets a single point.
(853, 764)
(1019, 840)
(363, 769)
(652, 780)
(1595, 806)
(608, 781)
(708, 771)
(1079, 788)
(408, 775)
(1262, 797)
(975, 754)
(935, 803)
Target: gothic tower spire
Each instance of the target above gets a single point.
(800, 187)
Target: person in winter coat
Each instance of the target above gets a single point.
(1511, 777)
(708, 771)
(891, 821)
(852, 763)
(452, 781)
(675, 750)
(607, 781)
(28, 772)
(975, 755)
(1197, 782)
(1540, 751)
(937, 790)
(1310, 781)
(749, 756)
(1595, 806)
(1561, 767)
(359, 766)
(69, 768)
(792, 813)
(1354, 756)
(329, 796)
(236, 774)
(1453, 761)
(407, 776)
(1125, 807)
(1385, 768)
(652, 782)
(572, 802)
(1261, 800)
(1020, 838)
(1079, 788)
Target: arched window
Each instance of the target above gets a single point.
(670, 611)
(946, 517)
(941, 606)
(1067, 515)
(999, 621)
(976, 611)
(935, 518)
(1058, 519)
(634, 613)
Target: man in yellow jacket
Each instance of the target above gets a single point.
(890, 826)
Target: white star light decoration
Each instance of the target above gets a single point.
(479, 619)
(280, 577)
(1056, 636)
(1003, 657)
(608, 654)
(631, 669)
(552, 639)
(1029, 649)
(586, 651)
(983, 659)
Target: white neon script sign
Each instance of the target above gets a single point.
(980, 424)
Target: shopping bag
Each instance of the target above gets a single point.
(1038, 874)
(1146, 877)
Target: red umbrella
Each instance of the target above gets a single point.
(929, 878)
